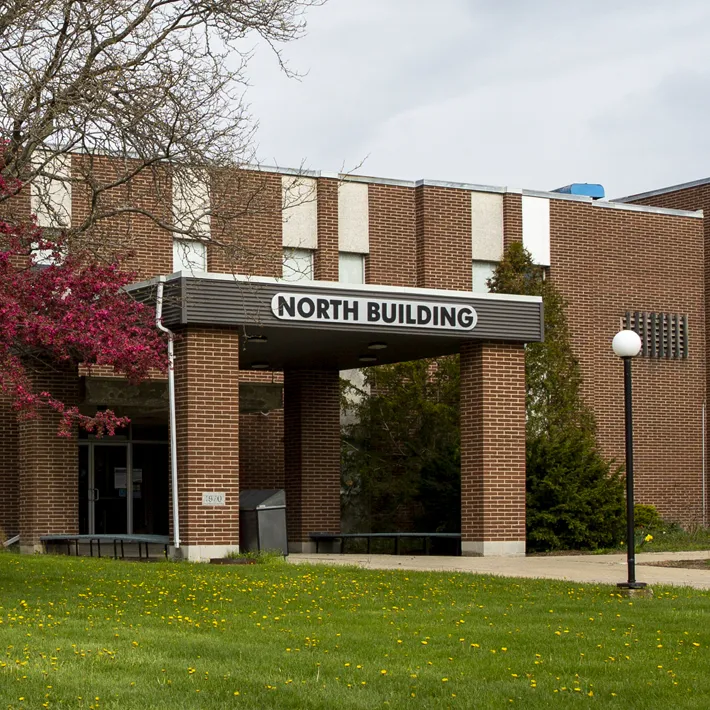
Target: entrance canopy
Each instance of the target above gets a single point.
(327, 325)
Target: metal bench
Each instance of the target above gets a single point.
(117, 540)
(319, 537)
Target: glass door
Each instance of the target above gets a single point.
(108, 494)
(151, 488)
(85, 489)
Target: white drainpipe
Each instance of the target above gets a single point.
(171, 394)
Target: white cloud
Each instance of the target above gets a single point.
(516, 93)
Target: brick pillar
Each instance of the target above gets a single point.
(9, 472)
(326, 266)
(48, 466)
(311, 454)
(493, 449)
(443, 234)
(207, 422)
(512, 218)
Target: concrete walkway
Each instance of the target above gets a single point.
(604, 569)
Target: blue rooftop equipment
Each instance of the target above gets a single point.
(590, 189)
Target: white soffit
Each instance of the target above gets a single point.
(299, 201)
(191, 203)
(50, 192)
(486, 226)
(536, 228)
(353, 217)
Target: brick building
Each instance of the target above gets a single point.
(323, 273)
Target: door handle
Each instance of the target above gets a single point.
(96, 494)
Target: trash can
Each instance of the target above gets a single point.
(262, 521)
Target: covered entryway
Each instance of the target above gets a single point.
(228, 326)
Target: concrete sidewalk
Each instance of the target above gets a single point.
(603, 569)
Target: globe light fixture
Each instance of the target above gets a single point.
(626, 343)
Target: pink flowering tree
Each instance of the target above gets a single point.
(72, 311)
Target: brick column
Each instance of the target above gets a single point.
(443, 234)
(493, 449)
(326, 266)
(311, 454)
(512, 218)
(48, 466)
(207, 422)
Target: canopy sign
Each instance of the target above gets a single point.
(374, 311)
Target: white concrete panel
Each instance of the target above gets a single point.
(191, 202)
(536, 228)
(353, 218)
(299, 200)
(201, 553)
(50, 193)
(486, 226)
(493, 549)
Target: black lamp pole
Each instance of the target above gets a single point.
(631, 583)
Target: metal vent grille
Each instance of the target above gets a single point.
(663, 335)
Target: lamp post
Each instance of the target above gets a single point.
(627, 345)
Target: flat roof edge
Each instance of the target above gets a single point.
(665, 190)
(649, 209)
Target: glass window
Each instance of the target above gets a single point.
(298, 265)
(351, 268)
(189, 255)
(482, 271)
(45, 257)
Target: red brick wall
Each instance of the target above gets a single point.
(9, 473)
(326, 257)
(48, 465)
(443, 234)
(246, 224)
(392, 260)
(607, 261)
(261, 450)
(207, 420)
(492, 442)
(148, 246)
(312, 451)
(512, 218)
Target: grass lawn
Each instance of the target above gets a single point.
(94, 633)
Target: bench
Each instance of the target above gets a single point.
(118, 539)
(319, 537)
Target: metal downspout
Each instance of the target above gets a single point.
(171, 394)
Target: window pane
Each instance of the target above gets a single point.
(45, 257)
(351, 269)
(482, 271)
(298, 265)
(189, 255)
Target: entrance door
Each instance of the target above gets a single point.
(108, 489)
(121, 494)
(151, 489)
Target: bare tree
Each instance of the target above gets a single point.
(155, 85)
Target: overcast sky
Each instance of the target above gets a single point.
(498, 92)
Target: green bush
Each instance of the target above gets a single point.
(573, 501)
(648, 518)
